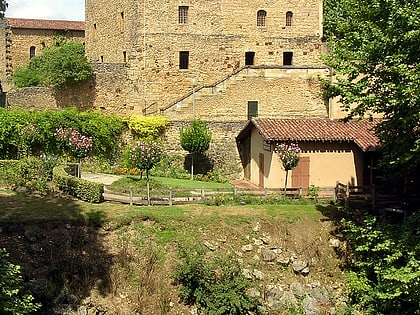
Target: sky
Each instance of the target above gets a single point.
(73, 10)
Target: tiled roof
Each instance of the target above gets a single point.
(359, 132)
(47, 24)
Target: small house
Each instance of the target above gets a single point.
(332, 151)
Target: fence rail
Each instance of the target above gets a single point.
(141, 196)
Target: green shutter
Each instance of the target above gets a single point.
(252, 109)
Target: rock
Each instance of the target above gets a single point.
(288, 300)
(334, 243)
(277, 250)
(283, 260)
(265, 239)
(22, 190)
(258, 242)
(259, 275)
(253, 292)
(299, 265)
(305, 271)
(320, 294)
(256, 228)
(310, 306)
(269, 256)
(297, 289)
(247, 248)
(247, 273)
(274, 291)
(212, 246)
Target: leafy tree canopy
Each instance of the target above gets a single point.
(374, 51)
(3, 6)
(196, 138)
(62, 64)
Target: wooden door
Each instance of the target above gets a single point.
(300, 175)
(261, 169)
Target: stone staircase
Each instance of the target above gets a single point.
(230, 83)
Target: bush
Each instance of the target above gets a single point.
(147, 126)
(215, 286)
(31, 172)
(385, 270)
(79, 188)
(15, 298)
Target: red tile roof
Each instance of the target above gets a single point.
(47, 24)
(359, 132)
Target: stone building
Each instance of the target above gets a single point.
(218, 60)
(21, 39)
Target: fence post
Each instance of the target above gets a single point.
(373, 196)
(148, 193)
(300, 192)
(265, 192)
(235, 191)
(170, 196)
(347, 201)
(131, 196)
(336, 191)
(202, 193)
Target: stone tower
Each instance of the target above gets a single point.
(180, 52)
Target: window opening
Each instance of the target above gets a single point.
(287, 58)
(184, 57)
(122, 28)
(261, 15)
(289, 17)
(252, 109)
(32, 51)
(124, 56)
(183, 14)
(249, 58)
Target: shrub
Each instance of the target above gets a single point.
(215, 286)
(385, 270)
(143, 155)
(15, 298)
(79, 188)
(147, 126)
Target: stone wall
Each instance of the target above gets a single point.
(148, 37)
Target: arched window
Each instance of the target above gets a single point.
(261, 15)
(289, 18)
(32, 51)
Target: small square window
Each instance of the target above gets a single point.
(287, 58)
(184, 57)
(183, 14)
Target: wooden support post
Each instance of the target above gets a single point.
(202, 193)
(170, 196)
(131, 196)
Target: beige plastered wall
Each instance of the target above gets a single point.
(329, 162)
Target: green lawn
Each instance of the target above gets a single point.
(167, 182)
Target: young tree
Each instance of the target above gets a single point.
(60, 65)
(289, 156)
(195, 139)
(145, 154)
(374, 53)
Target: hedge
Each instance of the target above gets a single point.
(79, 188)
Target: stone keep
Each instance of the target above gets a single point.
(217, 60)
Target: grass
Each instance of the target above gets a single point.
(166, 183)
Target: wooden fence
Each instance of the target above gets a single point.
(135, 196)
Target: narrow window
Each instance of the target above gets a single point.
(32, 51)
(252, 109)
(289, 17)
(249, 58)
(122, 24)
(183, 14)
(261, 15)
(287, 58)
(102, 58)
(184, 57)
(124, 56)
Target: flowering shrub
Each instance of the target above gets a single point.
(74, 142)
(288, 155)
(143, 155)
(29, 138)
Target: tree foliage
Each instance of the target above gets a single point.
(373, 50)
(15, 299)
(196, 138)
(60, 65)
(147, 126)
(145, 154)
(3, 6)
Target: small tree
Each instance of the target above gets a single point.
(289, 157)
(195, 139)
(75, 144)
(145, 154)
